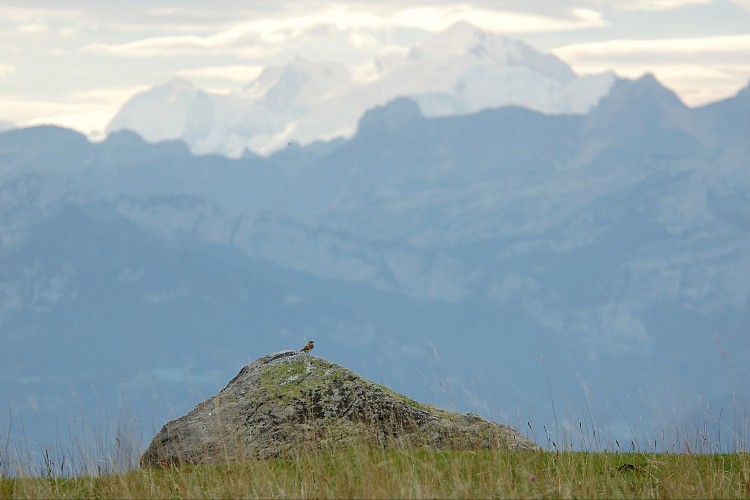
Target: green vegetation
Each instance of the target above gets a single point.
(296, 378)
(342, 463)
(366, 472)
(409, 401)
(293, 379)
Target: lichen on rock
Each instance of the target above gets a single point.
(287, 403)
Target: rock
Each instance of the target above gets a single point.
(287, 403)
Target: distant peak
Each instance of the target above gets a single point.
(298, 61)
(177, 83)
(392, 115)
(634, 104)
(463, 40)
(649, 79)
(463, 29)
(124, 136)
(298, 65)
(744, 91)
(49, 134)
(646, 84)
(459, 37)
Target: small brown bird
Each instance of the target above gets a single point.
(308, 347)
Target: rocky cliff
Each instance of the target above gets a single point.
(287, 403)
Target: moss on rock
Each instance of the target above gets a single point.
(288, 403)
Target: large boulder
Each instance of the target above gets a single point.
(287, 403)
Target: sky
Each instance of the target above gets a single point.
(75, 62)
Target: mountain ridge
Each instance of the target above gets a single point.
(456, 259)
(461, 70)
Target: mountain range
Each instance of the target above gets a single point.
(549, 270)
(458, 71)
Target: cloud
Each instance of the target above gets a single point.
(118, 94)
(33, 27)
(701, 70)
(89, 120)
(734, 47)
(230, 73)
(363, 41)
(655, 5)
(266, 36)
(435, 18)
(258, 38)
(23, 13)
(167, 46)
(87, 111)
(219, 37)
(194, 16)
(6, 71)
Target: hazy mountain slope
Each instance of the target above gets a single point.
(500, 261)
(98, 306)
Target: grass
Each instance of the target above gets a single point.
(104, 465)
(363, 472)
(576, 465)
(366, 472)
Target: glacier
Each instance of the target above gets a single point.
(458, 71)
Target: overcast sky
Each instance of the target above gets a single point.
(75, 62)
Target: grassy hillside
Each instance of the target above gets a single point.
(367, 473)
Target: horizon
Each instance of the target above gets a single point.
(103, 136)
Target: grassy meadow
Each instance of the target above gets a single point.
(688, 461)
(364, 472)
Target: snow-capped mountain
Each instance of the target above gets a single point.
(176, 109)
(458, 71)
(463, 70)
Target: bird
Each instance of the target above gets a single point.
(308, 347)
